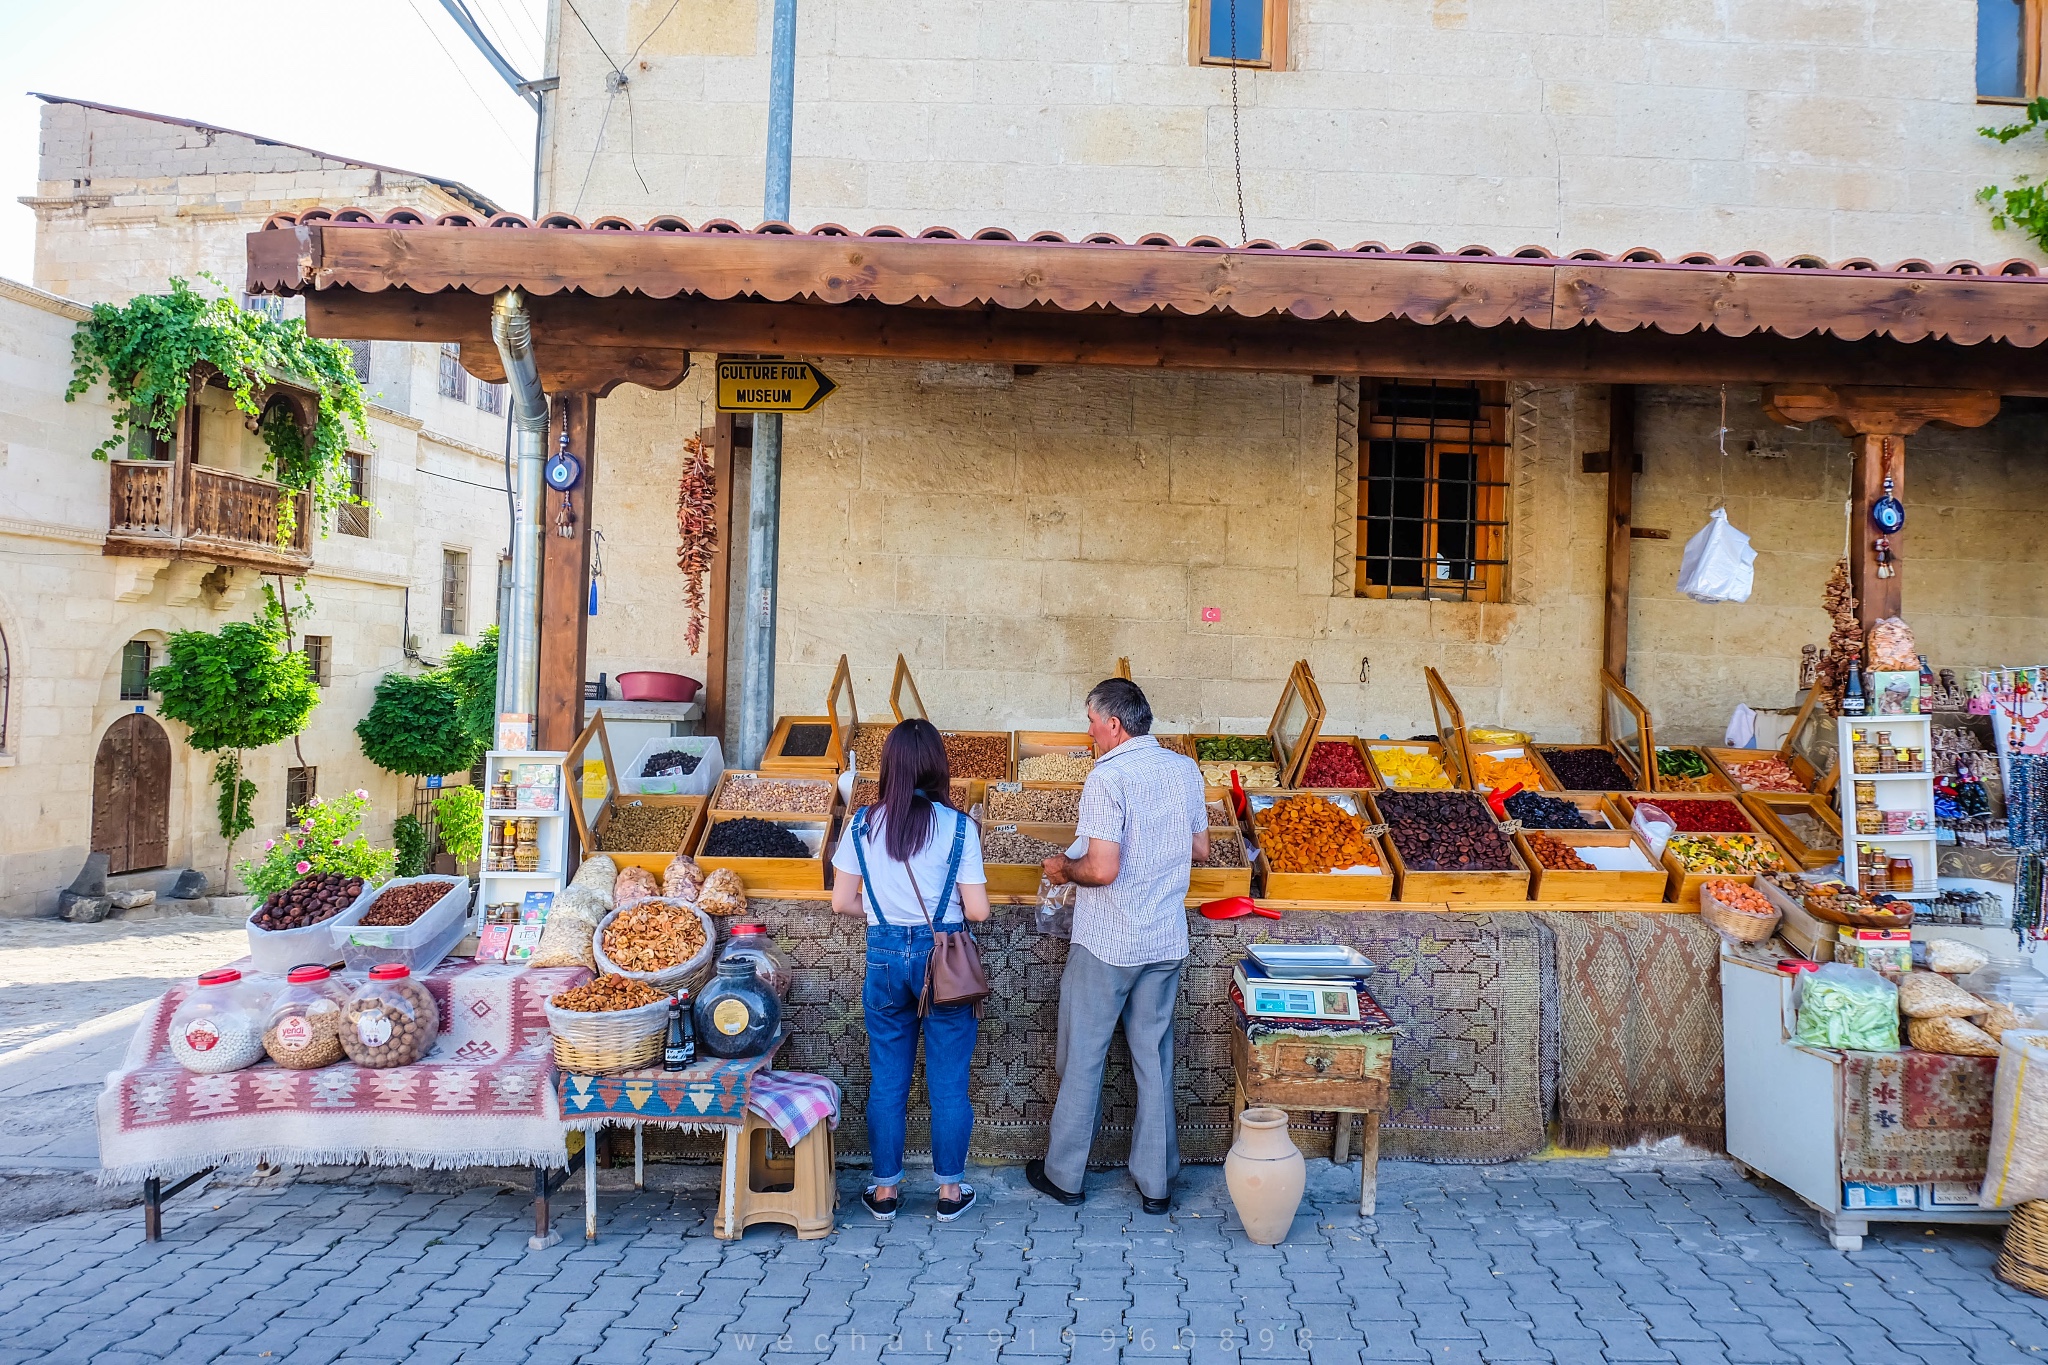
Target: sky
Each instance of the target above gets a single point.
(388, 81)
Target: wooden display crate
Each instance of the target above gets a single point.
(840, 717)
(1214, 883)
(990, 794)
(1292, 731)
(1551, 772)
(773, 874)
(1511, 884)
(976, 785)
(1450, 729)
(1716, 780)
(1021, 879)
(1357, 745)
(1625, 731)
(1553, 884)
(726, 779)
(1374, 747)
(590, 835)
(1628, 801)
(1724, 760)
(1363, 888)
(1602, 809)
(1769, 809)
(1683, 887)
(1038, 743)
(655, 862)
(1546, 780)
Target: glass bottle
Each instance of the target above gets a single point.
(1853, 703)
(1926, 687)
(681, 1048)
(736, 1015)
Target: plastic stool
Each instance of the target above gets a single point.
(798, 1189)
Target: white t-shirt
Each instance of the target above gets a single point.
(891, 883)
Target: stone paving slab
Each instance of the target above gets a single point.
(1569, 1262)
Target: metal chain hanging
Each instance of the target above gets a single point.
(1236, 137)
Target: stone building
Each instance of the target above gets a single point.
(125, 201)
(1012, 531)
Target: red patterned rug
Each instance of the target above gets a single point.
(1911, 1117)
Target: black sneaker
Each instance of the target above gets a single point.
(883, 1209)
(949, 1209)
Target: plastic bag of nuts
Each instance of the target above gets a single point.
(391, 1020)
(304, 1028)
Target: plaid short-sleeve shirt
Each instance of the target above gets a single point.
(1149, 800)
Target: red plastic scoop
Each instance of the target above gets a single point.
(1498, 799)
(1236, 907)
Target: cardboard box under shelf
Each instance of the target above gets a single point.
(1554, 884)
(656, 860)
(1021, 879)
(1769, 809)
(726, 779)
(773, 874)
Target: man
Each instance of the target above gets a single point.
(1145, 818)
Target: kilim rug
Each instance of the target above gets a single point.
(1638, 999)
(1464, 988)
(1911, 1116)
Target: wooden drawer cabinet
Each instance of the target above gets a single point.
(1337, 1073)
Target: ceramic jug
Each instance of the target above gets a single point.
(1266, 1175)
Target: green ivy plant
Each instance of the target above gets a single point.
(2025, 205)
(410, 841)
(460, 816)
(440, 721)
(146, 352)
(235, 690)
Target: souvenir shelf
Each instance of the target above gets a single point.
(538, 793)
(1906, 790)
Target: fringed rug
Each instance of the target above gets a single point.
(1464, 988)
(1910, 1116)
(1638, 1000)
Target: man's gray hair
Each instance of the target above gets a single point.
(1122, 699)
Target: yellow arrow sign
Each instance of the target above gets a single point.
(771, 386)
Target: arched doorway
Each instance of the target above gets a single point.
(131, 795)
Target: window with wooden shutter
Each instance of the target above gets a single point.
(1238, 33)
(1432, 496)
(353, 518)
(2008, 51)
(319, 651)
(454, 592)
(454, 381)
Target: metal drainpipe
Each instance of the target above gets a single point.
(519, 646)
(764, 489)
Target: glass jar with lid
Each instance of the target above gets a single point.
(771, 968)
(391, 1020)
(219, 1027)
(303, 1030)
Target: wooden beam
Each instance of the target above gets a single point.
(565, 580)
(567, 326)
(1621, 493)
(717, 591)
(1876, 597)
(1878, 410)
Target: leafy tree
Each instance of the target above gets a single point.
(460, 815)
(411, 842)
(415, 726)
(2025, 206)
(473, 669)
(236, 690)
(148, 349)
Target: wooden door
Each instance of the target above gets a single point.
(131, 795)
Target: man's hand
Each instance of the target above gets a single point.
(1201, 850)
(1056, 869)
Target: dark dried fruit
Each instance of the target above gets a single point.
(807, 741)
(1546, 812)
(401, 905)
(671, 762)
(1445, 832)
(312, 899)
(1587, 770)
(750, 838)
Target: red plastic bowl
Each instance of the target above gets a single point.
(658, 687)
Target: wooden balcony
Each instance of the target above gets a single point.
(171, 509)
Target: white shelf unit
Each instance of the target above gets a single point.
(1894, 791)
(498, 888)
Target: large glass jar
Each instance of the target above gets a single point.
(735, 1015)
(219, 1027)
(391, 1020)
(304, 1026)
(771, 968)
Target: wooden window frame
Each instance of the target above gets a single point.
(454, 595)
(1486, 439)
(304, 783)
(454, 380)
(490, 398)
(148, 660)
(2030, 58)
(353, 518)
(319, 652)
(1273, 36)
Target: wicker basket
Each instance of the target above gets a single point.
(2023, 1263)
(1739, 926)
(689, 976)
(618, 1040)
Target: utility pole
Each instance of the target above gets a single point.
(764, 488)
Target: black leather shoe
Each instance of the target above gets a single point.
(1034, 1171)
(1156, 1205)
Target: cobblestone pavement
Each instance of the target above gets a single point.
(1572, 1261)
(54, 975)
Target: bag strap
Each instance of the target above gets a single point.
(952, 875)
(860, 853)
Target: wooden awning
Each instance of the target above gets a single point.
(615, 302)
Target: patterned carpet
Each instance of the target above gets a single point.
(1466, 988)
(1913, 1116)
(1638, 1000)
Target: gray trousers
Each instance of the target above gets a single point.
(1094, 996)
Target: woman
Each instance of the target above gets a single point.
(913, 863)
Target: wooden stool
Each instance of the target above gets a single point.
(1342, 1074)
(798, 1189)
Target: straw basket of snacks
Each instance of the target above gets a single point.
(608, 1024)
(1740, 914)
(665, 943)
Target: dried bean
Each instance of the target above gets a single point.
(1446, 832)
(868, 791)
(644, 828)
(977, 756)
(743, 792)
(1558, 857)
(1587, 770)
(1225, 850)
(751, 838)
(402, 905)
(1036, 805)
(1007, 848)
(807, 741)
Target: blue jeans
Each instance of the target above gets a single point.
(888, 1001)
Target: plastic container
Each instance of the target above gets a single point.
(418, 946)
(735, 1015)
(649, 685)
(710, 766)
(771, 968)
(219, 1027)
(274, 952)
(303, 1030)
(391, 1020)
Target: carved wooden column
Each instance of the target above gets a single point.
(565, 578)
(1877, 421)
(1621, 493)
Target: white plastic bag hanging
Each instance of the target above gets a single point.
(1719, 565)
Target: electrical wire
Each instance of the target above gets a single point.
(489, 111)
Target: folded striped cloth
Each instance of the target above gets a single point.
(794, 1101)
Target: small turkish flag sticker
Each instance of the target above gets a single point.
(1212, 613)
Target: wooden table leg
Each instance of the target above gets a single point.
(590, 1184)
(729, 1182)
(1369, 1166)
(639, 1156)
(1340, 1141)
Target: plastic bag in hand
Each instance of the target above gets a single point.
(1055, 908)
(1719, 565)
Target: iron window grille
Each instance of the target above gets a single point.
(301, 785)
(454, 592)
(491, 398)
(1432, 505)
(454, 381)
(353, 518)
(135, 670)
(359, 359)
(319, 651)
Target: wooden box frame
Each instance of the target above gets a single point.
(1455, 755)
(1685, 886)
(1547, 781)
(725, 778)
(1765, 809)
(1425, 885)
(1214, 883)
(1550, 884)
(589, 836)
(1543, 763)
(766, 876)
(1019, 879)
(1370, 888)
(1627, 802)
(1288, 757)
(1357, 745)
(1432, 747)
(835, 759)
(1641, 762)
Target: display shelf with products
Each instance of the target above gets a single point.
(1885, 798)
(526, 815)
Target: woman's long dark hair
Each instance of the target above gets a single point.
(915, 777)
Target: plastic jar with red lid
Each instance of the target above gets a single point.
(391, 1020)
(771, 968)
(303, 1029)
(219, 1027)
